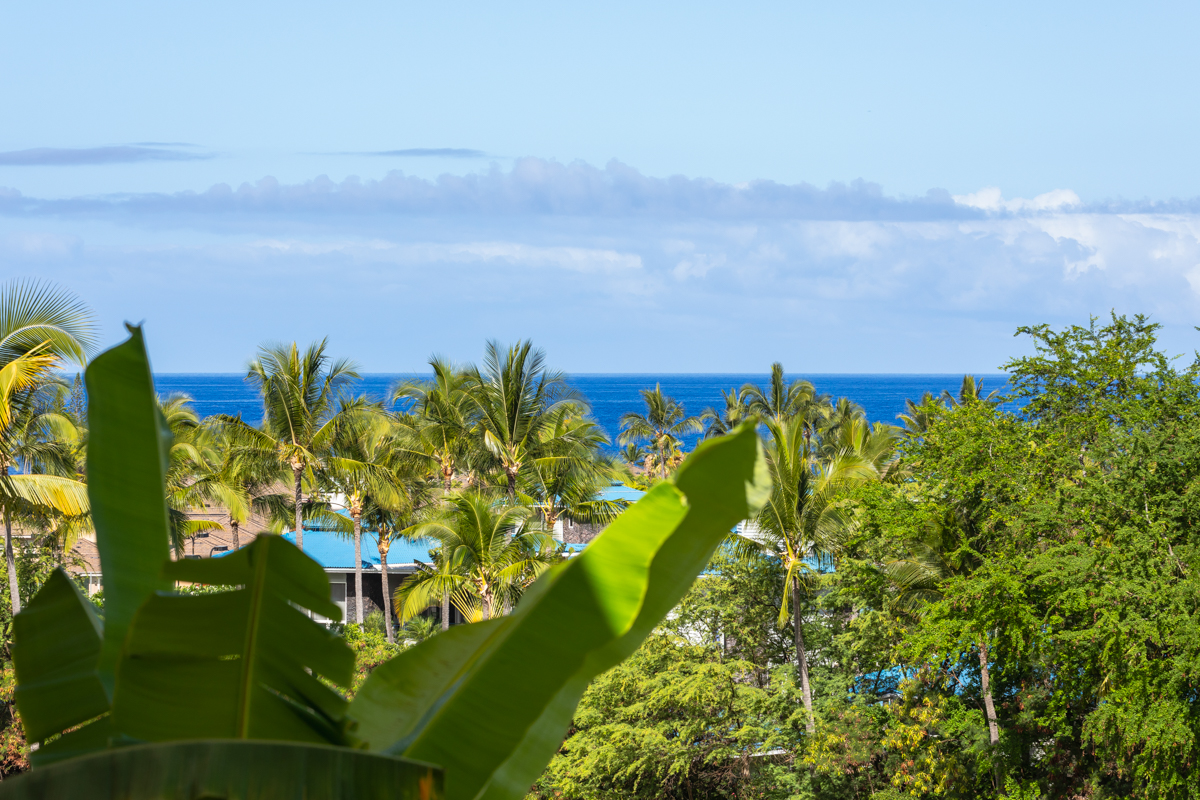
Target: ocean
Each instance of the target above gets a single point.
(881, 396)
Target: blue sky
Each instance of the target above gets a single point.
(851, 187)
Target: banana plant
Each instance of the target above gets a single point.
(241, 694)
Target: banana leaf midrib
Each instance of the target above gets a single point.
(256, 596)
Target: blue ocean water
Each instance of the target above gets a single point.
(882, 396)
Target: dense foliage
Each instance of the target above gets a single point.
(1012, 612)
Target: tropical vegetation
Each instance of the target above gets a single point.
(998, 596)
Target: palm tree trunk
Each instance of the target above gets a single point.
(298, 472)
(13, 590)
(512, 482)
(446, 611)
(802, 657)
(383, 577)
(233, 526)
(985, 685)
(447, 475)
(358, 599)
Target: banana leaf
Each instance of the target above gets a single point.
(232, 770)
(238, 664)
(491, 702)
(126, 466)
(55, 651)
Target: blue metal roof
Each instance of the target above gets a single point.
(619, 491)
(336, 551)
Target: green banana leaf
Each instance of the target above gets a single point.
(126, 466)
(238, 664)
(232, 770)
(55, 650)
(490, 703)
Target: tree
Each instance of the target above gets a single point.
(803, 520)
(42, 443)
(300, 393)
(358, 466)
(660, 426)
(490, 555)
(440, 418)
(41, 327)
(251, 474)
(412, 502)
(516, 399)
(191, 474)
(565, 481)
(736, 411)
(781, 401)
(971, 391)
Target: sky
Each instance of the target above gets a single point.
(639, 187)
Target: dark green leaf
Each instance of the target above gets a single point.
(232, 771)
(56, 646)
(237, 664)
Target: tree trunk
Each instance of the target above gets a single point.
(485, 601)
(298, 472)
(512, 482)
(233, 526)
(802, 657)
(446, 611)
(985, 685)
(447, 476)
(13, 590)
(358, 599)
(383, 577)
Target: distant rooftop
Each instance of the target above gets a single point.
(335, 551)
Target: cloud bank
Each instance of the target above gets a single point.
(611, 269)
(431, 152)
(121, 154)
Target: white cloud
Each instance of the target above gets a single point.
(992, 199)
(600, 261)
(575, 259)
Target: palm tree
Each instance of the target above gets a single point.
(737, 410)
(516, 397)
(392, 523)
(871, 443)
(634, 454)
(440, 418)
(43, 443)
(971, 391)
(802, 520)
(664, 421)
(191, 475)
(918, 416)
(781, 400)
(358, 467)
(300, 392)
(489, 555)
(41, 327)
(250, 474)
(568, 489)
